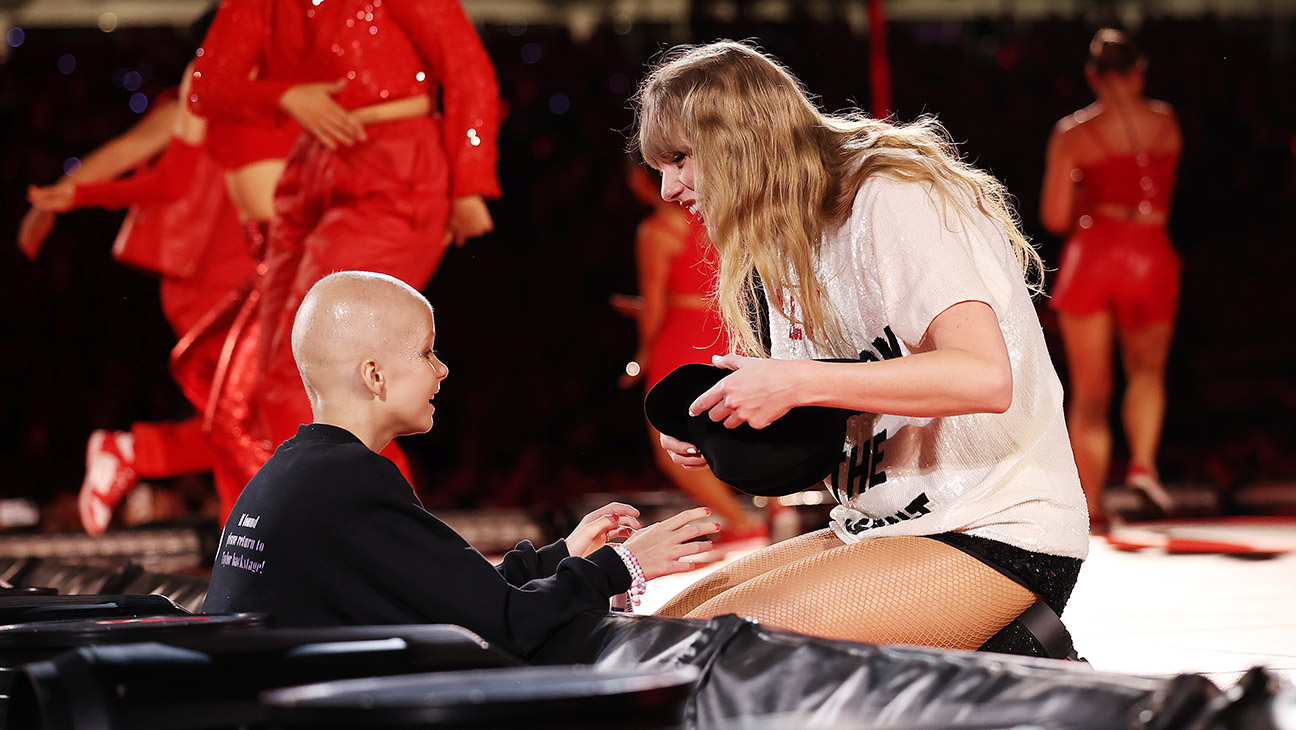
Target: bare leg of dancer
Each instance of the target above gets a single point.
(890, 590)
(1088, 340)
(1145, 351)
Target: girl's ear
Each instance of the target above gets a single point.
(371, 375)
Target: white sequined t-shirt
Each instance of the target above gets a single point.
(902, 258)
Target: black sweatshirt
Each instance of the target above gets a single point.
(329, 533)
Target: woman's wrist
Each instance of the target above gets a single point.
(809, 379)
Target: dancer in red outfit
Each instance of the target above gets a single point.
(677, 325)
(208, 296)
(1108, 182)
(169, 234)
(385, 195)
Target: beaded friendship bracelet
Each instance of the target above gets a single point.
(638, 584)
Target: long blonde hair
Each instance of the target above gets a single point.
(773, 173)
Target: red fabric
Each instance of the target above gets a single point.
(170, 448)
(215, 366)
(385, 50)
(247, 39)
(1141, 180)
(688, 334)
(1131, 181)
(245, 124)
(191, 234)
(1128, 268)
(879, 66)
(693, 271)
(235, 145)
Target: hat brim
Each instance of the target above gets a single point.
(793, 453)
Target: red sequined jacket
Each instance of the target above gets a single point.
(385, 49)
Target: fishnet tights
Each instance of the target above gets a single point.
(890, 590)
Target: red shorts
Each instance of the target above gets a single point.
(1129, 269)
(689, 334)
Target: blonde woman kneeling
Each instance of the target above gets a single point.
(959, 502)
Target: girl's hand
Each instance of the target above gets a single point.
(682, 453)
(758, 392)
(660, 547)
(596, 528)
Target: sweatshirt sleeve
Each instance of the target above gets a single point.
(447, 40)
(165, 182)
(418, 561)
(222, 86)
(525, 562)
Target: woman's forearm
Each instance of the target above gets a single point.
(925, 385)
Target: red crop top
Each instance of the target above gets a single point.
(1142, 181)
(694, 269)
(385, 49)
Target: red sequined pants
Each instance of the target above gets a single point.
(379, 206)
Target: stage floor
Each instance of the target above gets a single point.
(1152, 613)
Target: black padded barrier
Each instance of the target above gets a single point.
(749, 677)
(31, 576)
(19, 608)
(37, 640)
(187, 590)
(213, 681)
(751, 672)
(71, 578)
(22, 643)
(534, 698)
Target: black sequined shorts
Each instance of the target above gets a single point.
(1051, 577)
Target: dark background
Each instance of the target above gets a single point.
(531, 414)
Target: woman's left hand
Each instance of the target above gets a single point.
(596, 528)
(758, 392)
(469, 218)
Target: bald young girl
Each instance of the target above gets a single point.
(328, 532)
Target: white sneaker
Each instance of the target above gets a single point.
(110, 474)
(1146, 481)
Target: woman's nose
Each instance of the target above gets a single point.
(670, 187)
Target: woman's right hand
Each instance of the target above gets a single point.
(683, 453)
(660, 547)
(57, 198)
(313, 106)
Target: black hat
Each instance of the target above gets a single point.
(793, 453)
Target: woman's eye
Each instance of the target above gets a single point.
(678, 158)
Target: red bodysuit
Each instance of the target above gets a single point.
(691, 331)
(380, 205)
(1124, 266)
